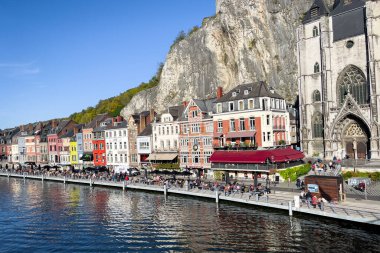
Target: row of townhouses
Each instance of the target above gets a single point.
(249, 117)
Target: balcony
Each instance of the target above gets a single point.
(235, 147)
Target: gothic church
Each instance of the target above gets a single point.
(338, 48)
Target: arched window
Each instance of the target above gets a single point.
(317, 125)
(315, 31)
(316, 67)
(352, 80)
(316, 96)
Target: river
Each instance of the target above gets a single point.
(40, 216)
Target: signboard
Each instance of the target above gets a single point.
(314, 188)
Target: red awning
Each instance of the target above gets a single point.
(240, 134)
(256, 156)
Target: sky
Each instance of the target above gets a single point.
(58, 57)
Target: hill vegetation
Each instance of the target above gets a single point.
(114, 105)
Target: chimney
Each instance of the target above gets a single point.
(151, 115)
(142, 123)
(219, 92)
(185, 103)
(54, 123)
(271, 89)
(119, 119)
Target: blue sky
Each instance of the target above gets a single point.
(58, 57)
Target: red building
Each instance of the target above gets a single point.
(99, 143)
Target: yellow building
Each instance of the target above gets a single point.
(73, 152)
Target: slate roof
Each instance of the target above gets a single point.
(122, 124)
(258, 89)
(204, 105)
(340, 7)
(69, 134)
(176, 111)
(147, 131)
(98, 118)
(323, 10)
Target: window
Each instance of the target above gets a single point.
(315, 31)
(195, 113)
(352, 80)
(196, 157)
(264, 136)
(209, 127)
(242, 124)
(231, 106)
(232, 125)
(250, 104)
(316, 68)
(234, 94)
(316, 96)
(195, 128)
(252, 123)
(246, 92)
(268, 136)
(125, 145)
(219, 108)
(176, 129)
(120, 145)
(268, 120)
(317, 125)
(220, 126)
(175, 144)
(241, 105)
(207, 141)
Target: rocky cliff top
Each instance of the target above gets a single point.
(246, 41)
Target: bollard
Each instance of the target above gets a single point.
(217, 196)
(42, 177)
(290, 209)
(64, 179)
(124, 185)
(23, 175)
(257, 197)
(297, 201)
(165, 190)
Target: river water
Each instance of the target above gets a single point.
(47, 217)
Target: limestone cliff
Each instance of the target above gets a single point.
(246, 41)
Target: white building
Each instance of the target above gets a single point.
(144, 145)
(165, 132)
(338, 55)
(116, 138)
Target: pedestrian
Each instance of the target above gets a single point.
(308, 198)
(298, 183)
(314, 201)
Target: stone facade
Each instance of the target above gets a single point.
(338, 55)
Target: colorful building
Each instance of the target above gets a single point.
(117, 143)
(99, 143)
(196, 133)
(250, 115)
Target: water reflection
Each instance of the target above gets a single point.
(72, 218)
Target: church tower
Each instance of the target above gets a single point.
(338, 79)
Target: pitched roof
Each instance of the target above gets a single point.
(322, 10)
(98, 118)
(340, 6)
(176, 111)
(147, 131)
(258, 89)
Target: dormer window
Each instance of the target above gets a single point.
(237, 91)
(346, 2)
(234, 94)
(314, 12)
(219, 108)
(246, 92)
(231, 106)
(249, 88)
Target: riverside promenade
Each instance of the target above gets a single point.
(363, 211)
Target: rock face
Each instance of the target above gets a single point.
(246, 41)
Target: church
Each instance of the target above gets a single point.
(338, 50)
